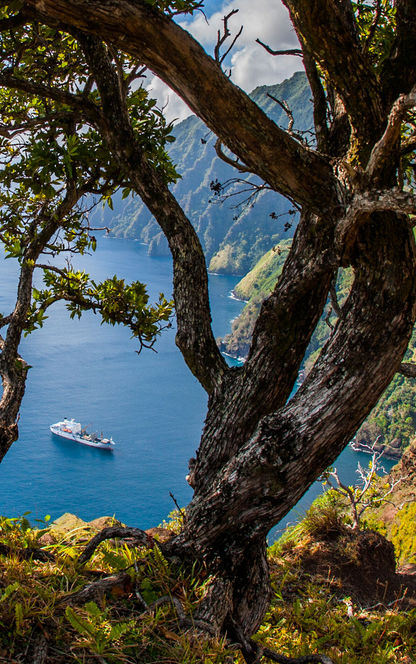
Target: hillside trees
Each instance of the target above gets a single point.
(259, 452)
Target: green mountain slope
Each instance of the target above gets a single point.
(392, 423)
(233, 237)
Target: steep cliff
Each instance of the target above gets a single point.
(233, 236)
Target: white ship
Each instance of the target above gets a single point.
(73, 431)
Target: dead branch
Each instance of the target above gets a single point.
(229, 160)
(254, 652)
(140, 536)
(221, 38)
(289, 51)
(31, 553)
(288, 112)
(118, 584)
(408, 369)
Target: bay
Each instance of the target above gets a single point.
(150, 404)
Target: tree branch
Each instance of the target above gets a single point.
(351, 373)
(388, 143)
(180, 61)
(112, 532)
(194, 336)
(76, 102)
(289, 51)
(222, 38)
(232, 162)
(320, 107)
(328, 30)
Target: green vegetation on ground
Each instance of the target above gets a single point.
(309, 612)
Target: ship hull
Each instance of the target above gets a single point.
(79, 439)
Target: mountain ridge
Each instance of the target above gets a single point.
(233, 239)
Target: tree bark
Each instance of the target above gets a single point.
(259, 452)
(230, 515)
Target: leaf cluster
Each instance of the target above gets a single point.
(175, 7)
(116, 302)
(376, 26)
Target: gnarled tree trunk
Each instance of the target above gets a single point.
(259, 454)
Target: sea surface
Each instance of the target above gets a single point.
(149, 403)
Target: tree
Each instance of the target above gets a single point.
(259, 453)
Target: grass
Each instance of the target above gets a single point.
(304, 616)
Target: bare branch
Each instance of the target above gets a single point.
(289, 51)
(287, 110)
(228, 160)
(222, 38)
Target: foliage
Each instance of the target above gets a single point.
(403, 533)
(31, 604)
(117, 302)
(376, 26)
(303, 616)
(57, 167)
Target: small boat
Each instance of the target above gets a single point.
(72, 430)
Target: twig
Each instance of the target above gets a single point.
(180, 510)
(117, 584)
(229, 160)
(289, 51)
(222, 38)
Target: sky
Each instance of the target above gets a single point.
(250, 64)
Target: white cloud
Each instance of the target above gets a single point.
(249, 62)
(174, 108)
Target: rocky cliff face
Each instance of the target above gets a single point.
(233, 236)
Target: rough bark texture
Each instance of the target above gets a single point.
(258, 453)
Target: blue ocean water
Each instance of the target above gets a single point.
(150, 404)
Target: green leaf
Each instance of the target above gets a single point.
(80, 625)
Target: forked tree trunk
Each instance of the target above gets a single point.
(233, 510)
